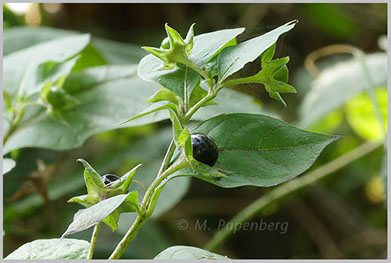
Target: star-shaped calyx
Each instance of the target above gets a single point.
(176, 50)
(97, 190)
(273, 75)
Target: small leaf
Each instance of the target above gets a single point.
(188, 253)
(234, 58)
(65, 248)
(88, 217)
(163, 94)
(198, 94)
(158, 106)
(8, 165)
(259, 150)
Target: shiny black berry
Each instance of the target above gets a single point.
(109, 178)
(204, 149)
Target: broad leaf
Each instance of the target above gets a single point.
(337, 84)
(52, 249)
(188, 253)
(88, 217)
(204, 48)
(17, 38)
(23, 71)
(8, 165)
(108, 96)
(259, 150)
(234, 58)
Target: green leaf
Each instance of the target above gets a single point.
(88, 217)
(8, 165)
(158, 106)
(267, 75)
(108, 95)
(52, 249)
(188, 253)
(17, 38)
(338, 84)
(361, 115)
(164, 94)
(22, 68)
(234, 58)
(198, 94)
(205, 46)
(259, 150)
(97, 190)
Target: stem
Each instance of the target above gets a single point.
(14, 123)
(167, 158)
(132, 232)
(93, 240)
(241, 81)
(146, 210)
(287, 188)
(185, 95)
(187, 62)
(198, 105)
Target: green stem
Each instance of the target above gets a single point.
(185, 95)
(146, 210)
(93, 240)
(287, 188)
(198, 105)
(167, 158)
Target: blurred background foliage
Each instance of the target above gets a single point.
(344, 214)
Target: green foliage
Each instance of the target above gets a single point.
(61, 91)
(234, 58)
(107, 210)
(52, 249)
(188, 253)
(204, 48)
(259, 150)
(99, 209)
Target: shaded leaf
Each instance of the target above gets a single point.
(17, 38)
(339, 83)
(52, 249)
(108, 95)
(22, 74)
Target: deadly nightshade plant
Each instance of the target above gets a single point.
(228, 150)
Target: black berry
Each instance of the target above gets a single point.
(204, 149)
(109, 178)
